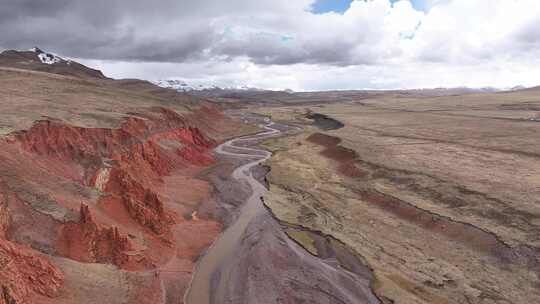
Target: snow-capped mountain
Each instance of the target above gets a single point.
(183, 86)
(38, 60)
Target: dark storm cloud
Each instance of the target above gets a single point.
(165, 30)
(122, 30)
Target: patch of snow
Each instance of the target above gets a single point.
(44, 57)
(49, 58)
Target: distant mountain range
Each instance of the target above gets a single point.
(183, 86)
(258, 96)
(217, 91)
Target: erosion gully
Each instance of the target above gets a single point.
(204, 287)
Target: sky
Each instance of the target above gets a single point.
(289, 44)
(340, 6)
(324, 6)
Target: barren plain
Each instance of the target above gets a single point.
(437, 194)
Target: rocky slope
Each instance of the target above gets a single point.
(99, 195)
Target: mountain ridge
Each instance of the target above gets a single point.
(36, 59)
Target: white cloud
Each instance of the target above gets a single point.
(371, 45)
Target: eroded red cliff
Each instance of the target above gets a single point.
(132, 153)
(86, 241)
(131, 217)
(126, 162)
(24, 273)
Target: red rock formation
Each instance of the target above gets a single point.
(69, 142)
(194, 155)
(194, 137)
(85, 241)
(4, 217)
(23, 272)
(143, 204)
(136, 139)
(138, 159)
(128, 166)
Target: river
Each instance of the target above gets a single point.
(217, 256)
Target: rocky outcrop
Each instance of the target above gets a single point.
(137, 140)
(4, 217)
(24, 273)
(125, 165)
(126, 162)
(193, 154)
(142, 204)
(86, 241)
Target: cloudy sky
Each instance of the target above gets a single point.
(296, 44)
